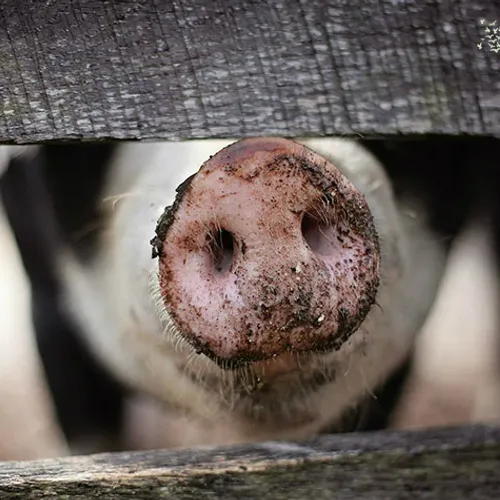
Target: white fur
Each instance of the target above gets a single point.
(116, 297)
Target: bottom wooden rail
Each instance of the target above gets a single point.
(458, 463)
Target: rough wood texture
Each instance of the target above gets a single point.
(461, 463)
(151, 69)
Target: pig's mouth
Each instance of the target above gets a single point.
(263, 380)
(267, 252)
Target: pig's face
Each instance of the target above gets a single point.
(282, 285)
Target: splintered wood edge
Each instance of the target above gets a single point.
(442, 463)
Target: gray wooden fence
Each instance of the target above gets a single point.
(453, 464)
(152, 69)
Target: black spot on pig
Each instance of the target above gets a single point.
(87, 399)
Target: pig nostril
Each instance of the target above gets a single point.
(222, 250)
(318, 234)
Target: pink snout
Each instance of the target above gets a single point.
(268, 249)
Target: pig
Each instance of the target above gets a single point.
(23, 386)
(82, 402)
(263, 288)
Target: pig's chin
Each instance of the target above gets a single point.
(279, 391)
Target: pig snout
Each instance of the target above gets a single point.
(268, 249)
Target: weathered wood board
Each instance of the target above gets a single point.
(147, 69)
(441, 464)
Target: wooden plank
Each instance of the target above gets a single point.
(460, 463)
(130, 69)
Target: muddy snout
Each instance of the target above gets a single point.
(268, 249)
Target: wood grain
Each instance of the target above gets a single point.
(147, 69)
(459, 463)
